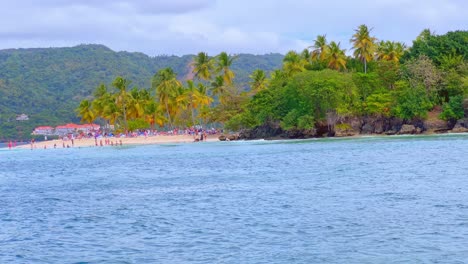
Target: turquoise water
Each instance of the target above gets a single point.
(366, 200)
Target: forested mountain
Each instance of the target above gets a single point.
(47, 84)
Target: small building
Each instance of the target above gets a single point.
(43, 130)
(87, 128)
(22, 117)
(66, 129)
(74, 128)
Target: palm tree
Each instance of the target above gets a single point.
(112, 112)
(278, 75)
(100, 91)
(390, 51)
(185, 98)
(203, 66)
(86, 112)
(320, 48)
(101, 99)
(218, 88)
(136, 103)
(201, 96)
(293, 63)
(193, 97)
(306, 55)
(259, 81)
(224, 63)
(336, 57)
(166, 85)
(122, 97)
(153, 114)
(363, 45)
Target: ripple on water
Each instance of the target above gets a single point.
(364, 200)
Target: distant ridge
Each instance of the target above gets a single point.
(48, 83)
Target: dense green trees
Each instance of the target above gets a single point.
(304, 94)
(49, 84)
(313, 88)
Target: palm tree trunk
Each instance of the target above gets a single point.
(125, 119)
(365, 66)
(168, 115)
(193, 117)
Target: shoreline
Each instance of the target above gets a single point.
(357, 136)
(166, 139)
(126, 141)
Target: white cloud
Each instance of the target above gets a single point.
(188, 26)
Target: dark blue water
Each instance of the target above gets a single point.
(368, 200)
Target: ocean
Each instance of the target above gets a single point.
(398, 199)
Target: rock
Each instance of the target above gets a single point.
(308, 133)
(462, 123)
(461, 126)
(222, 138)
(323, 129)
(344, 130)
(436, 126)
(379, 127)
(265, 131)
(367, 128)
(233, 137)
(419, 125)
(407, 129)
(459, 130)
(245, 134)
(390, 132)
(293, 133)
(395, 124)
(355, 123)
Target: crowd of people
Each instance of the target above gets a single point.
(103, 138)
(198, 133)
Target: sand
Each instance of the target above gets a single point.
(141, 140)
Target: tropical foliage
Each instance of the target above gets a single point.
(49, 84)
(318, 85)
(313, 87)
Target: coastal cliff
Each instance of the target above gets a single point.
(354, 126)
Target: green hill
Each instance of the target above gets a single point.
(47, 84)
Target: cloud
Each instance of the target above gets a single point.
(137, 6)
(189, 26)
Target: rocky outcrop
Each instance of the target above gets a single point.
(229, 137)
(266, 131)
(368, 125)
(345, 130)
(436, 126)
(407, 129)
(300, 133)
(461, 126)
(351, 126)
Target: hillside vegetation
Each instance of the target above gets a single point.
(383, 87)
(47, 84)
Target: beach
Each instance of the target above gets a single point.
(113, 141)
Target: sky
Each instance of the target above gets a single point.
(178, 27)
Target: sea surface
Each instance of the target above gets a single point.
(400, 199)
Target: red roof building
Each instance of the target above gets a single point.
(43, 130)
